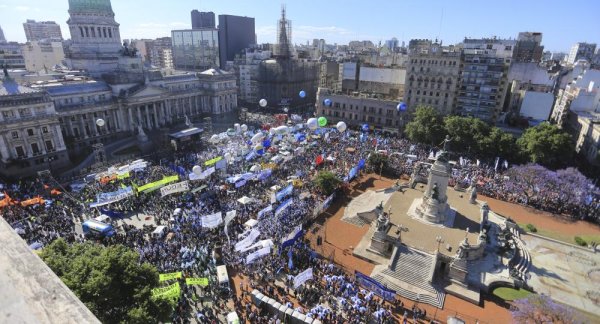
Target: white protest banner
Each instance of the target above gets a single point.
(303, 277)
(212, 221)
(248, 240)
(192, 176)
(259, 253)
(229, 216)
(263, 243)
(174, 188)
(283, 207)
(111, 197)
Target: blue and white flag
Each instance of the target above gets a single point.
(328, 201)
(303, 277)
(284, 192)
(496, 165)
(257, 254)
(292, 237)
(240, 183)
(265, 210)
(212, 221)
(264, 174)
(283, 207)
(248, 240)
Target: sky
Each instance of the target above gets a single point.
(562, 23)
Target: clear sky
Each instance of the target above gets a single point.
(339, 21)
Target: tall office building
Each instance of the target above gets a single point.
(203, 19)
(2, 38)
(528, 47)
(96, 41)
(195, 49)
(483, 83)
(39, 30)
(160, 52)
(581, 51)
(235, 34)
(432, 75)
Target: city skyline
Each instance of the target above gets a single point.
(337, 21)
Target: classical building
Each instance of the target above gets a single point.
(359, 108)
(195, 49)
(40, 30)
(432, 75)
(483, 82)
(42, 55)
(95, 37)
(30, 133)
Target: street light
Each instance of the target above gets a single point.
(439, 239)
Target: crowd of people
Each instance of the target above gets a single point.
(196, 249)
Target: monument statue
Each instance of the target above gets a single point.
(382, 221)
(435, 193)
(446, 141)
(413, 177)
(142, 137)
(473, 192)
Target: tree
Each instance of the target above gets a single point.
(327, 181)
(378, 162)
(426, 127)
(109, 281)
(542, 309)
(546, 144)
(499, 144)
(466, 132)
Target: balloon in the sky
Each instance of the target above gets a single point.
(327, 102)
(100, 122)
(312, 123)
(341, 127)
(365, 127)
(197, 170)
(322, 121)
(263, 102)
(302, 94)
(244, 127)
(401, 106)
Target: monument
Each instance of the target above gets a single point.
(433, 207)
(379, 241)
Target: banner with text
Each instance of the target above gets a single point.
(174, 188)
(303, 277)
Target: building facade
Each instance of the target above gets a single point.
(30, 133)
(202, 19)
(529, 47)
(41, 30)
(483, 82)
(358, 109)
(11, 54)
(195, 49)
(581, 51)
(95, 37)
(42, 55)
(235, 34)
(160, 52)
(432, 76)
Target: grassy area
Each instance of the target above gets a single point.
(562, 236)
(510, 293)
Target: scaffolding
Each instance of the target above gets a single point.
(284, 37)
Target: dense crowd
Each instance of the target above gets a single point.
(332, 296)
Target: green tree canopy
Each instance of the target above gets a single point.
(546, 144)
(109, 281)
(327, 181)
(426, 127)
(466, 133)
(378, 161)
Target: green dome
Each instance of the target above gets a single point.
(90, 5)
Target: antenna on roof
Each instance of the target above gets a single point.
(440, 28)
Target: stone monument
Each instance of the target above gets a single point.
(379, 242)
(473, 192)
(434, 205)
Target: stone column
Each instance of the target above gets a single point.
(61, 142)
(139, 115)
(130, 114)
(156, 119)
(82, 127)
(4, 148)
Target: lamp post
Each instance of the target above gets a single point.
(439, 239)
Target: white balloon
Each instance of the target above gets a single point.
(263, 102)
(100, 122)
(244, 127)
(282, 130)
(236, 127)
(341, 127)
(197, 170)
(272, 131)
(255, 168)
(257, 137)
(312, 123)
(214, 138)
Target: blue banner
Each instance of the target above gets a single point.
(327, 202)
(361, 164)
(264, 174)
(111, 213)
(283, 207)
(374, 286)
(353, 173)
(284, 192)
(250, 156)
(292, 237)
(265, 210)
(240, 183)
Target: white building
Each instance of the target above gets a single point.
(40, 55)
(579, 95)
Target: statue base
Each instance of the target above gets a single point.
(380, 244)
(432, 210)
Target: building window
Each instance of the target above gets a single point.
(110, 33)
(15, 134)
(20, 151)
(49, 146)
(371, 119)
(81, 30)
(45, 130)
(87, 32)
(35, 148)
(379, 111)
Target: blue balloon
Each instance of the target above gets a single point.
(327, 102)
(267, 143)
(365, 127)
(401, 106)
(249, 142)
(260, 152)
(302, 94)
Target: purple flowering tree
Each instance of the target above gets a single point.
(527, 179)
(542, 309)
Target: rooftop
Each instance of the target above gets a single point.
(8, 87)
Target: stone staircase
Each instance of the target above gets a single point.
(356, 220)
(414, 268)
(524, 256)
